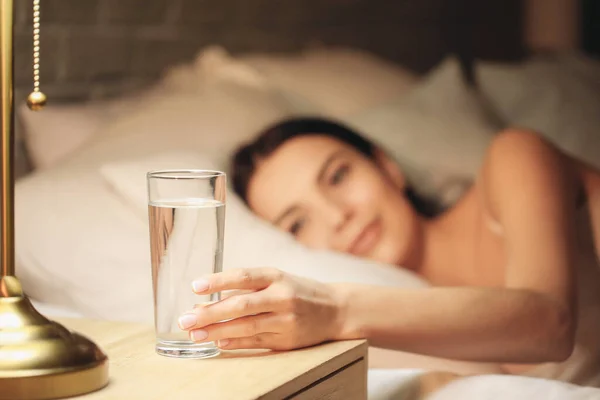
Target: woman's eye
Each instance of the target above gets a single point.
(339, 175)
(296, 227)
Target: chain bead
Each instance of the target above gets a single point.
(36, 100)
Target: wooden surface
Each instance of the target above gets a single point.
(348, 383)
(330, 371)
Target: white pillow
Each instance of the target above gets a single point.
(320, 81)
(339, 81)
(213, 122)
(57, 131)
(438, 132)
(77, 246)
(558, 97)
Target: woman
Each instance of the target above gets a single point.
(508, 262)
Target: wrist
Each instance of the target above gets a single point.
(345, 324)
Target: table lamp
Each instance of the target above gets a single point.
(39, 358)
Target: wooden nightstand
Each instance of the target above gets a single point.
(330, 371)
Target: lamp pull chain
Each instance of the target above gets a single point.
(36, 99)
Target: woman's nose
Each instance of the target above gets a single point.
(338, 217)
(338, 220)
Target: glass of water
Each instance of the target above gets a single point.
(186, 209)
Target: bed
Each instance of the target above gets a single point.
(82, 240)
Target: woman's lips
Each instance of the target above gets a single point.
(366, 240)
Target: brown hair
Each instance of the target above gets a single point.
(247, 157)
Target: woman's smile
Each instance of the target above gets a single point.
(366, 240)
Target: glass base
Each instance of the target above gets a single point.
(187, 350)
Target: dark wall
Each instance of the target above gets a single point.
(590, 25)
(96, 48)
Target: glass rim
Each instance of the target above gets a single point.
(184, 174)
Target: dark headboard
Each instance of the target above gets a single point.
(98, 48)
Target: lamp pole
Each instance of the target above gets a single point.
(7, 212)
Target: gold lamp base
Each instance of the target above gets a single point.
(41, 359)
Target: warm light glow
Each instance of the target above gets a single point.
(15, 336)
(9, 321)
(19, 355)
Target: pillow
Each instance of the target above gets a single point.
(328, 81)
(339, 81)
(438, 132)
(557, 97)
(321, 81)
(58, 130)
(77, 244)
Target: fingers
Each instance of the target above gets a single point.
(246, 279)
(232, 307)
(230, 293)
(261, 341)
(224, 295)
(239, 328)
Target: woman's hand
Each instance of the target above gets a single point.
(277, 311)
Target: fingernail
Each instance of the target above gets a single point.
(187, 321)
(200, 286)
(199, 335)
(223, 343)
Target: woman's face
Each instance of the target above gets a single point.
(331, 196)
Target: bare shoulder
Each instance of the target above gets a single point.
(521, 159)
(526, 175)
(513, 149)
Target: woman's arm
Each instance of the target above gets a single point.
(394, 359)
(469, 324)
(530, 188)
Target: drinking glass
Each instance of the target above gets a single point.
(186, 210)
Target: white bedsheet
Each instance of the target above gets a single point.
(400, 384)
(502, 387)
(51, 311)
(397, 384)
